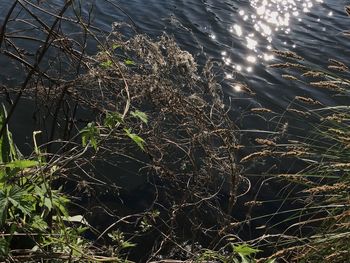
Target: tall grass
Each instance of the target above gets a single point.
(312, 159)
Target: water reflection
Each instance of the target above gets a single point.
(268, 19)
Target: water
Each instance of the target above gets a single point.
(242, 33)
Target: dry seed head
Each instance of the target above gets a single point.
(293, 153)
(289, 77)
(345, 140)
(265, 142)
(327, 188)
(338, 132)
(337, 63)
(340, 166)
(347, 10)
(253, 203)
(260, 110)
(278, 65)
(308, 100)
(338, 117)
(331, 85)
(238, 146)
(256, 155)
(313, 74)
(297, 148)
(288, 65)
(303, 113)
(337, 68)
(287, 54)
(284, 128)
(247, 90)
(295, 177)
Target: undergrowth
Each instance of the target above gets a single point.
(145, 109)
(312, 162)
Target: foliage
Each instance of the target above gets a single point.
(33, 212)
(240, 253)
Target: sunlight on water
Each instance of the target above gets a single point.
(268, 18)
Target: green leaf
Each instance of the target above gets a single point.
(137, 139)
(17, 197)
(245, 250)
(129, 62)
(141, 115)
(106, 64)
(4, 202)
(4, 247)
(8, 150)
(127, 244)
(244, 259)
(112, 119)
(39, 223)
(115, 46)
(21, 164)
(90, 134)
(48, 203)
(76, 219)
(59, 201)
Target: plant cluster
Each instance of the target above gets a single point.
(311, 160)
(144, 106)
(136, 101)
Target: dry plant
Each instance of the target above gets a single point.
(137, 101)
(307, 152)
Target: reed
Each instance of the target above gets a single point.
(318, 177)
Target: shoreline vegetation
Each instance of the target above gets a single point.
(138, 156)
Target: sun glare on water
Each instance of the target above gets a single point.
(269, 19)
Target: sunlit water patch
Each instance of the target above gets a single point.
(240, 33)
(269, 20)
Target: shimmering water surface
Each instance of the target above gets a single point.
(241, 34)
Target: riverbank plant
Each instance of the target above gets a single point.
(137, 101)
(34, 220)
(140, 158)
(308, 150)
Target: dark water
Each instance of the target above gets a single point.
(242, 34)
(239, 33)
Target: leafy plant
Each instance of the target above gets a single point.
(137, 139)
(107, 64)
(140, 115)
(30, 209)
(90, 134)
(232, 253)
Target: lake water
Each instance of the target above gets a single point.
(241, 34)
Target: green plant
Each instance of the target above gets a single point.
(232, 253)
(34, 215)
